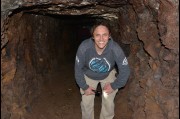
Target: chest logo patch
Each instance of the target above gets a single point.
(100, 65)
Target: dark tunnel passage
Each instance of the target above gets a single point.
(49, 43)
(38, 49)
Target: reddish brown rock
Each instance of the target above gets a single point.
(35, 44)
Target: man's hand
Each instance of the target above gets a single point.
(107, 88)
(89, 91)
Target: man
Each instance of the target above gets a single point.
(95, 63)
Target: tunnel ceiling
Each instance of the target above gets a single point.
(107, 9)
(102, 8)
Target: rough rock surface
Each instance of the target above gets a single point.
(146, 29)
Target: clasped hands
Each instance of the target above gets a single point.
(107, 89)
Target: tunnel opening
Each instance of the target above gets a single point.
(46, 45)
(38, 50)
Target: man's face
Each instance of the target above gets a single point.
(101, 36)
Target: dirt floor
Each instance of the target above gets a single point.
(60, 98)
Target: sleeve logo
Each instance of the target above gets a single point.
(125, 62)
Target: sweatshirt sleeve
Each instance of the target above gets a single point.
(79, 64)
(123, 67)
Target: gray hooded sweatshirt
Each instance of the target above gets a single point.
(98, 67)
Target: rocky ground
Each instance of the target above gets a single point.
(60, 99)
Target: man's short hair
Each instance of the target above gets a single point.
(98, 23)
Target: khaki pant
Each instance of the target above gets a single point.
(87, 103)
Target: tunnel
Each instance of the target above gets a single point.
(39, 41)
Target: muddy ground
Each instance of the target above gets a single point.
(60, 99)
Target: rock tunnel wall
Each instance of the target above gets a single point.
(149, 28)
(154, 88)
(29, 55)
